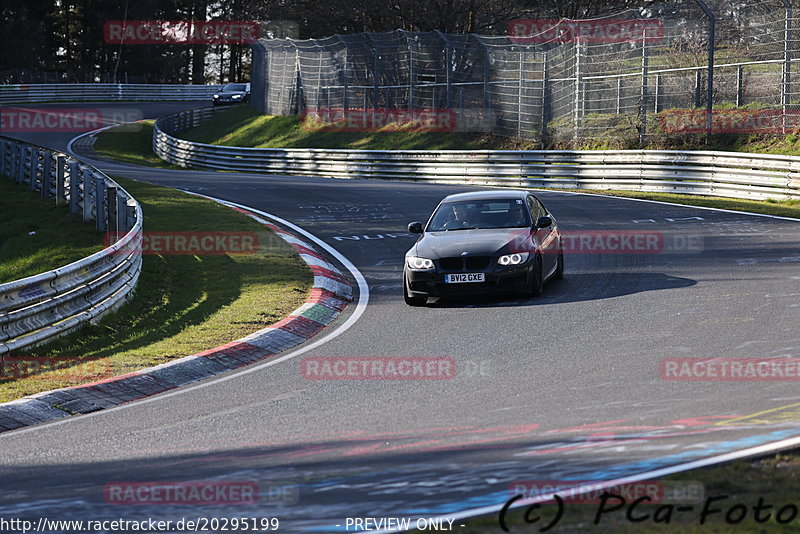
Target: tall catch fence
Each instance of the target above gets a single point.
(688, 67)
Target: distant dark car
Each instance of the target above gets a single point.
(232, 93)
(483, 243)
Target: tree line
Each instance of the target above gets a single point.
(46, 41)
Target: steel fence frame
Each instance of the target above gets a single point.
(541, 90)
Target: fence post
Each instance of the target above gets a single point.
(519, 98)
(545, 103)
(656, 94)
(619, 96)
(786, 74)
(643, 95)
(710, 65)
(487, 97)
(577, 115)
(739, 85)
(698, 81)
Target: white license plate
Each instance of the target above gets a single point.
(463, 278)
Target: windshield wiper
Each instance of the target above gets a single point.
(467, 228)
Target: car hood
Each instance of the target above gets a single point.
(230, 93)
(480, 242)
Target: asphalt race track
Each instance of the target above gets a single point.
(563, 387)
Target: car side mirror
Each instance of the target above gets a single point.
(543, 222)
(415, 227)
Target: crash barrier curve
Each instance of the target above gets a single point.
(40, 307)
(715, 173)
(330, 294)
(88, 92)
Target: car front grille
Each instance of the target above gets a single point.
(468, 263)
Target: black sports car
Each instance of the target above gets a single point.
(232, 93)
(483, 243)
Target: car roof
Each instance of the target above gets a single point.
(486, 195)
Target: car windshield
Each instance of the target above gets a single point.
(241, 87)
(469, 215)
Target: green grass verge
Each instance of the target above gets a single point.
(184, 304)
(243, 126)
(776, 479)
(37, 236)
(130, 143)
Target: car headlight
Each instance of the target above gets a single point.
(419, 264)
(513, 259)
(216, 96)
(237, 96)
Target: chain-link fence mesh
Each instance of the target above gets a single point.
(688, 67)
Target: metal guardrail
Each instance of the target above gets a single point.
(76, 92)
(47, 305)
(724, 174)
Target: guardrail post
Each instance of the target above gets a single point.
(130, 216)
(121, 212)
(3, 145)
(74, 186)
(33, 177)
(20, 163)
(47, 169)
(99, 202)
(111, 210)
(60, 189)
(88, 196)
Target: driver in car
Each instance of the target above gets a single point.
(461, 216)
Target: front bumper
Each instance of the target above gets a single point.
(498, 281)
(228, 100)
